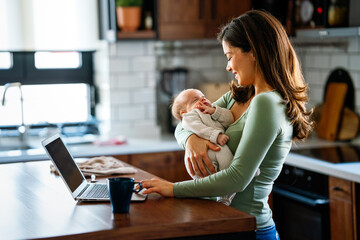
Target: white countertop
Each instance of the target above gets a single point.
(132, 146)
(348, 171)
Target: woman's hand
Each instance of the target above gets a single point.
(162, 187)
(197, 157)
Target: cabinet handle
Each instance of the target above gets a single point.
(337, 189)
(300, 198)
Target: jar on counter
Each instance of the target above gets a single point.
(148, 21)
(338, 13)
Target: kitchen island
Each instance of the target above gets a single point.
(36, 204)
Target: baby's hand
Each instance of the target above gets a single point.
(205, 108)
(222, 139)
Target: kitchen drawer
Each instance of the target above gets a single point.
(160, 164)
(340, 188)
(124, 158)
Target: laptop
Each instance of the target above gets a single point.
(75, 181)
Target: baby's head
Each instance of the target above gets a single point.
(186, 101)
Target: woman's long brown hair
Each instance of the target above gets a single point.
(263, 34)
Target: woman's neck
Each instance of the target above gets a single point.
(261, 85)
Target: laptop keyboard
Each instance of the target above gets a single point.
(97, 191)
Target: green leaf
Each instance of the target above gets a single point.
(128, 3)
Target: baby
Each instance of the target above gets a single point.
(209, 122)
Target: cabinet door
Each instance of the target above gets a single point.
(342, 209)
(124, 158)
(167, 165)
(222, 11)
(191, 19)
(181, 173)
(181, 19)
(159, 164)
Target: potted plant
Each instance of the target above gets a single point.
(128, 14)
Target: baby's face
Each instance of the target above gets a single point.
(194, 98)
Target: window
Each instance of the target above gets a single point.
(57, 89)
(56, 60)
(5, 60)
(43, 104)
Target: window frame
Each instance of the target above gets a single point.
(24, 71)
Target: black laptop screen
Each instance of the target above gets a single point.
(65, 163)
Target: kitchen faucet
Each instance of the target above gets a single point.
(22, 128)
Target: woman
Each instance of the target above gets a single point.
(268, 103)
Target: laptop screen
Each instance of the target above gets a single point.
(65, 163)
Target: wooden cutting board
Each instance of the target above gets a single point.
(332, 111)
(349, 123)
(349, 126)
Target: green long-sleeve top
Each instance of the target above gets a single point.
(260, 138)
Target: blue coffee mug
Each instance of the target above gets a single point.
(120, 191)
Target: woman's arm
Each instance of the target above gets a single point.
(182, 135)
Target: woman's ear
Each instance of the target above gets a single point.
(252, 55)
(181, 113)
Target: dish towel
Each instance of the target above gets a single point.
(101, 166)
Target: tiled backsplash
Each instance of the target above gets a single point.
(132, 104)
(127, 92)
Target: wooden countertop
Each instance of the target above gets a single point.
(36, 204)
